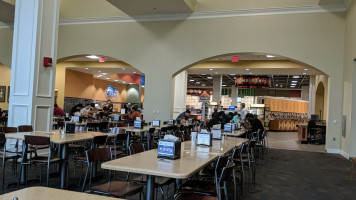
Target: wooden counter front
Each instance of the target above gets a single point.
(284, 125)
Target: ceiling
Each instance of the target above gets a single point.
(77, 9)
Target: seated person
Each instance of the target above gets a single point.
(184, 116)
(57, 111)
(253, 124)
(135, 113)
(84, 111)
(76, 109)
(218, 119)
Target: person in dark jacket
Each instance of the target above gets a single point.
(253, 124)
(76, 108)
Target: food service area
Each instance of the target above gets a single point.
(110, 100)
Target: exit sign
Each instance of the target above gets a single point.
(235, 59)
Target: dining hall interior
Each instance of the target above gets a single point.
(183, 99)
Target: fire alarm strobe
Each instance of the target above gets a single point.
(47, 61)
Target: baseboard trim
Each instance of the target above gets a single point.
(333, 151)
(346, 155)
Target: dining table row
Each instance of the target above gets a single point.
(133, 151)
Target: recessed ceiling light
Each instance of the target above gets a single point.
(197, 83)
(224, 85)
(211, 69)
(209, 77)
(216, 72)
(306, 69)
(123, 82)
(233, 74)
(247, 69)
(296, 76)
(270, 56)
(143, 86)
(281, 85)
(99, 71)
(134, 72)
(304, 73)
(116, 80)
(294, 81)
(250, 73)
(93, 57)
(86, 68)
(107, 78)
(293, 84)
(104, 73)
(123, 68)
(130, 83)
(98, 76)
(191, 80)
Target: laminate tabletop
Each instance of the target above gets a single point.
(45, 193)
(234, 133)
(56, 137)
(193, 158)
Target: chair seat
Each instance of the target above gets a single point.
(199, 186)
(9, 155)
(82, 158)
(19, 150)
(193, 196)
(244, 160)
(160, 181)
(43, 159)
(36, 147)
(118, 188)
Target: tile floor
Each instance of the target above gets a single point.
(289, 141)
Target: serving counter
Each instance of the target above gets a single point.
(284, 125)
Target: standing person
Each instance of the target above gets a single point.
(135, 113)
(215, 113)
(57, 111)
(243, 112)
(110, 106)
(184, 116)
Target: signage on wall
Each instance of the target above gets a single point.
(253, 82)
(111, 91)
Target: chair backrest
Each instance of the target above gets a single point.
(25, 128)
(37, 140)
(136, 148)
(122, 137)
(186, 137)
(221, 163)
(118, 130)
(226, 172)
(164, 130)
(151, 130)
(179, 135)
(98, 154)
(165, 122)
(100, 140)
(103, 125)
(2, 138)
(237, 152)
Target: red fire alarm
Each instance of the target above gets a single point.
(47, 61)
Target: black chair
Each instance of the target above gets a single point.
(120, 189)
(38, 160)
(225, 176)
(5, 156)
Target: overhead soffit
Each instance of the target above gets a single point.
(7, 12)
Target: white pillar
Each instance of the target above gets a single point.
(180, 82)
(32, 84)
(217, 86)
(312, 93)
(305, 93)
(234, 94)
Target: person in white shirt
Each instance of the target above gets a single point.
(84, 111)
(243, 112)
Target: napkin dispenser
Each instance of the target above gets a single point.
(228, 128)
(169, 149)
(70, 127)
(204, 139)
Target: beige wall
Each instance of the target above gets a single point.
(82, 85)
(325, 80)
(6, 46)
(61, 73)
(348, 143)
(5, 73)
(160, 49)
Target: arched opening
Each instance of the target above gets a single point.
(319, 100)
(95, 79)
(5, 75)
(278, 90)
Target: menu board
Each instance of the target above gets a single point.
(156, 123)
(280, 105)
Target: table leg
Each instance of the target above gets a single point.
(24, 167)
(148, 141)
(63, 148)
(150, 193)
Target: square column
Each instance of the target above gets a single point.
(234, 94)
(312, 92)
(217, 86)
(180, 82)
(32, 84)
